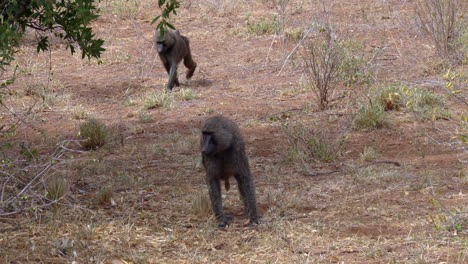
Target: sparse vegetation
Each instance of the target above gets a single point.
(422, 102)
(262, 26)
(105, 196)
(455, 80)
(355, 67)
(124, 9)
(369, 154)
(390, 97)
(327, 193)
(308, 144)
(136, 129)
(294, 34)
(444, 22)
(80, 113)
(323, 56)
(330, 61)
(186, 94)
(209, 110)
(160, 99)
(131, 102)
(94, 134)
(376, 176)
(56, 188)
(302, 86)
(425, 104)
(370, 116)
(201, 205)
(144, 117)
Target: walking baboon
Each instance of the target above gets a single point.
(223, 154)
(172, 48)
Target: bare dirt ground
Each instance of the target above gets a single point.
(362, 213)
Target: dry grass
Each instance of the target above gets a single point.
(94, 134)
(142, 197)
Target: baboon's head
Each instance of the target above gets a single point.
(217, 136)
(164, 42)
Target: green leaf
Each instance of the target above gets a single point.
(43, 44)
(155, 19)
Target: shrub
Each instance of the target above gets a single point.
(323, 57)
(355, 68)
(369, 154)
(80, 113)
(330, 61)
(424, 103)
(390, 97)
(161, 99)
(294, 34)
(56, 188)
(145, 118)
(443, 21)
(370, 116)
(420, 101)
(104, 196)
(201, 205)
(186, 94)
(94, 133)
(309, 144)
(262, 26)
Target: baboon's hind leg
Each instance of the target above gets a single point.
(247, 193)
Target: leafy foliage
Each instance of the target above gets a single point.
(167, 7)
(66, 19)
(420, 101)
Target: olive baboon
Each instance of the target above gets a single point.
(172, 48)
(223, 154)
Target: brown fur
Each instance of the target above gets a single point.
(172, 49)
(224, 156)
